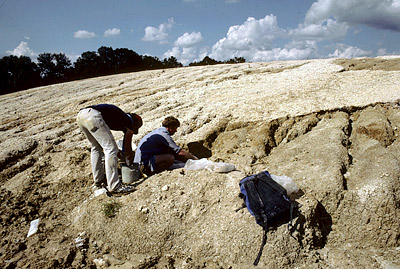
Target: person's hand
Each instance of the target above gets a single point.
(129, 160)
(120, 156)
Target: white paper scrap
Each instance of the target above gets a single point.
(34, 227)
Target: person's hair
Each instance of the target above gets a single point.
(171, 122)
(137, 120)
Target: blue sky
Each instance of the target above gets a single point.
(258, 30)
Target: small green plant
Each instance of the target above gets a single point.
(111, 208)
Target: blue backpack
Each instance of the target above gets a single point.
(267, 201)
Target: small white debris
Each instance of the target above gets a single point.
(99, 192)
(165, 188)
(99, 262)
(145, 210)
(81, 241)
(34, 227)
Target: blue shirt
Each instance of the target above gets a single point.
(115, 118)
(157, 142)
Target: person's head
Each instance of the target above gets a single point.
(171, 123)
(137, 122)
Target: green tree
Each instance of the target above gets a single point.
(171, 62)
(128, 60)
(46, 64)
(17, 73)
(88, 65)
(63, 65)
(53, 67)
(236, 60)
(150, 62)
(206, 61)
(108, 61)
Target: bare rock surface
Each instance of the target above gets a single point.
(330, 125)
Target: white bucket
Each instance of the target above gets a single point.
(131, 173)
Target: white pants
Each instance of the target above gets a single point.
(104, 146)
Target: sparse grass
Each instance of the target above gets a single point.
(110, 209)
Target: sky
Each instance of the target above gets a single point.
(257, 30)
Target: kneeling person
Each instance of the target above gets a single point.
(157, 151)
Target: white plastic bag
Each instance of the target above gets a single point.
(221, 167)
(203, 163)
(286, 182)
(196, 164)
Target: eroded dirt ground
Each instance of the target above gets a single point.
(344, 158)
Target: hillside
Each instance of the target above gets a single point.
(330, 125)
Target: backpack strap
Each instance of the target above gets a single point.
(291, 216)
(264, 241)
(241, 207)
(261, 218)
(265, 228)
(290, 211)
(256, 204)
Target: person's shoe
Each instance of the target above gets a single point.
(123, 189)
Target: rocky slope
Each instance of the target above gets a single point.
(330, 125)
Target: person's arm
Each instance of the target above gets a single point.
(179, 153)
(128, 146)
(183, 156)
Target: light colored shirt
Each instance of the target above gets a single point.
(157, 142)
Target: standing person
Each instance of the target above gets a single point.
(96, 122)
(157, 151)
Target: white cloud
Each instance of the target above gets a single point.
(280, 54)
(175, 51)
(189, 40)
(328, 30)
(202, 53)
(83, 34)
(154, 34)
(112, 32)
(380, 14)
(188, 55)
(185, 48)
(326, 22)
(381, 52)
(345, 51)
(158, 34)
(254, 33)
(22, 50)
(291, 51)
(183, 55)
(248, 39)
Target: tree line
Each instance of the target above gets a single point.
(20, 73)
